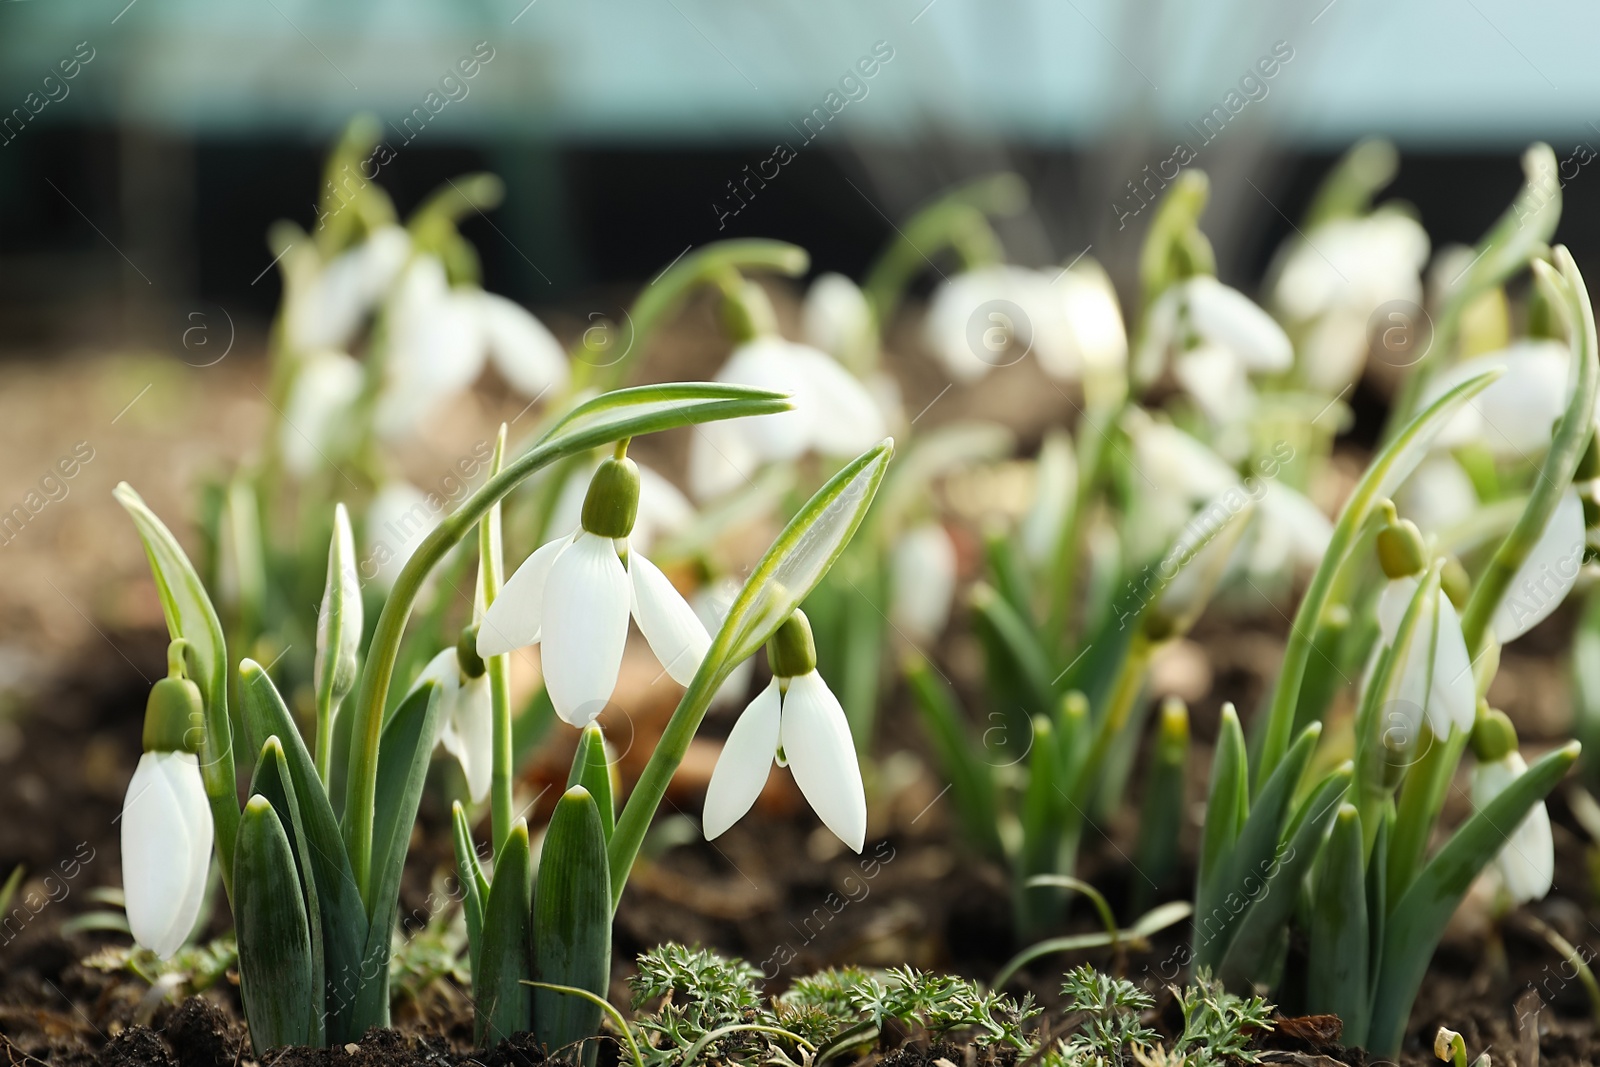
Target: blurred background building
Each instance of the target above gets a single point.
(145, 147)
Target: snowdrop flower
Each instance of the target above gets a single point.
(796, 722)
(327, 307)
(994, 316)
(398, 518)
(833, 415)
(1513, 417)
(324, 387)
(922, 581)
(1221, 338)
(1438, 495)
(1335, 279)
(1290, 532)
(441, 336)
(1174, 473)
(574, 595)
(166, 818)
(1526, 864)
(663, 509)
(1435, 672)
(837, 319)
(1547, 575)
(466, 717)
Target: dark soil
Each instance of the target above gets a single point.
(774, 890)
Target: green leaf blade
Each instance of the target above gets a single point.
(502, 1005)
(572, 921)
(275, 972)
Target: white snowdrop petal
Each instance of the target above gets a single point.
(1095, 319)
(191, 795)
(721, 459)
(818, 747)
(922, 581)
(524, 351)
(468, 732)
(1453, 700)
(744, 764)
(1224, 316)
(835, 316)
(1438, 495)
(1217, 380)
(711, 604)
(845, 419)
(1392, 603)
(586, 607)
(669, 624)
(155, 855)
(1513, 416)
(1547, 575)
(325, 387)
(1526, 863)
(398, 518)
(949, 320)
(513, 620)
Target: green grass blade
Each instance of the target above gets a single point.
(1227, 806)
(971, 779)
(1417, 921)
(1165, 812)
(275, 973)
(1336, 980)
(592, 770)
(572, 921)
(501, 1001)
(1038, 905)
(469, 874)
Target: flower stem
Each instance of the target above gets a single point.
(491, 571)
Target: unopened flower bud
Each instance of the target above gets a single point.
(613, 499)
(1401, 551)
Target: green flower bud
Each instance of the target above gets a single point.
(174, 714)
(1455, 582)
(1493, 736)
(613, 500)
(467, 652)
(1401, 551)
(792, 651)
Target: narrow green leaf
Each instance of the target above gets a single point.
(501, 1001)
(1152, 922)
(591, 768)
(271, 780)
(1417, 921)
(1227, 805)
(971, 779)
(572, 921)
(1270, 899)
(1010, 578)
(1038, 905)
(275, 974)
(402, 767)
(469, 874)
(1257, 847)
(190, 615)
(1336, 980)
(1165, 812)
(343, 916)
(1016, 661)
(1383, 476)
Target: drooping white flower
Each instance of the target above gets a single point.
(1291, 531)
(574, 595)
(1436, 672)
(1438, 495)
(398, 518)
(1514, 416)
(837, 319)
(1545, 578)
(663, 509)
(1219, 338)
(797, 722)
(1526, 864)
(327, 307)
(997, 315)
(440, 337)
(833, 415)
(922, 581)
(1097, 338)
(1055, 493)
(1337, 276)
(166, 819)
(466, 717)
(325, 386)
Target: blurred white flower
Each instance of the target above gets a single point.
(1526, 864)
(1055, 492)
(327, 307)
(1219, 338)
(1547, 575)
(1291, 531)
(440, 337)
(573, 597)
(326, 384)
(1438, 495)
(712, 602)
(833, 415)
(1513, 417)
(398, 518)
(166, 849)
(995, 316)
(837, 319)
(1338, 275)
(466, 719)
(922, 581)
